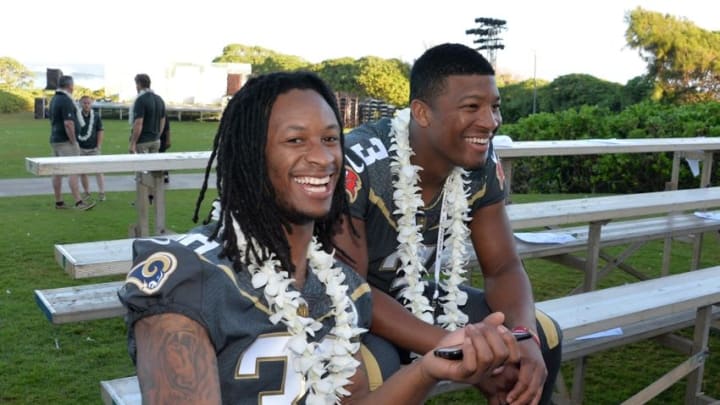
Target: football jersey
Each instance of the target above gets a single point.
(369, 186)
(187, 277)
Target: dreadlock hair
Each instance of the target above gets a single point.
(243, 184)
(429, 72)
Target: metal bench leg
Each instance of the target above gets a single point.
(593, 255)
(700, 344)
(578, 381)
(159, 202)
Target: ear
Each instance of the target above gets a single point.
(420, 112)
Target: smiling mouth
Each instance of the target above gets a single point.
(313, 184)
(477, 141)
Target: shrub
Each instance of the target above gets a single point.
(15, 100)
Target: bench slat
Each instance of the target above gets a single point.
(643, 310)
(599, 310)
(80, 303)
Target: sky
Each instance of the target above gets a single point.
(544, 39)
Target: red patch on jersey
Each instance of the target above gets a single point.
(499, 172)
(353, 184)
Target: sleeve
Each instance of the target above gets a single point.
(98, 122)
(166, 277)
(360, 294)
(487, 185)
(139, 108)
(357, 181)
(67, 109)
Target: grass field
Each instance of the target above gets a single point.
(45, 364)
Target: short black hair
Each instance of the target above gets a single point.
(65, 81)
(143, 80)
(246, 193)
(429, 72)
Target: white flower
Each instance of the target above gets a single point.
(326, 371)
(408, 201)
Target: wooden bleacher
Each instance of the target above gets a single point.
(642, 310)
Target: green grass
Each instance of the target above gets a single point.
(45, 364)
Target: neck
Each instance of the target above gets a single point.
(435, 170)
(299, 240)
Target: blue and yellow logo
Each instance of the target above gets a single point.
(150, 275)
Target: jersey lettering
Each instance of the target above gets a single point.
(371, 154)
(199, 243)
(272, 348)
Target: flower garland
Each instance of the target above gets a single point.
(78, 110)
(454, 214)
(327, 368)
(91, 122)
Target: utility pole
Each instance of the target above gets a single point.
(488, 33)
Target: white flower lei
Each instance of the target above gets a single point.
(91, 122)
(327, 368)
(454, 213)
(78, 111)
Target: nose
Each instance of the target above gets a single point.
(321, 154)
(488, 119)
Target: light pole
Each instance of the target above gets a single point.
(488, 36)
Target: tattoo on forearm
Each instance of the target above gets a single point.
(176, 358)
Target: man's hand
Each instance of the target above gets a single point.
(486, 346)
(531, 377)
(133, 147)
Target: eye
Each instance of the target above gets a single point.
(331, 139)
(470, 106)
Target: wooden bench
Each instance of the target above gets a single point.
(643, 310)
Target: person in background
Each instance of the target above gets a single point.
(64, 124)
(165, 144)
(147, 117)
(90, 138)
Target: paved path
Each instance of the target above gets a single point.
(43, 185)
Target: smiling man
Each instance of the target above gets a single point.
(253, 309)
(421, 186)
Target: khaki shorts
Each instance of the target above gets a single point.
(64, 149)
(89, 152)
(148, 147)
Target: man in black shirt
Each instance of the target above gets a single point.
(147, 117)
(64, 124)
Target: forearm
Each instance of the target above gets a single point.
(100, 138)
(70, 131)
(136, 130)
(395, 323)
(410, 385)
(510, 292)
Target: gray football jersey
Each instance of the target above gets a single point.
(369, 187)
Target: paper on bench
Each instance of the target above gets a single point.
(715, 216)
(545, 237)
(602, 334)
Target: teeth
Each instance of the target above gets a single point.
(313, 180)
(481, 141)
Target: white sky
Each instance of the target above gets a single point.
(565, 36)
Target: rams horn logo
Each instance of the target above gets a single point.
(353, 184)
(152, 273)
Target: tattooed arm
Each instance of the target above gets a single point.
(176, 362)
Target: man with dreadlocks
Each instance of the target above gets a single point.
(254, 308)
(422, 186)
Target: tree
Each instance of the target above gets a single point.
(575, 90)
(682, 59)
(262, 60)
(385, 79)
(341, 74)
(14, 74)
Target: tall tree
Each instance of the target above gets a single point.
(14, 74)
(683, 59)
